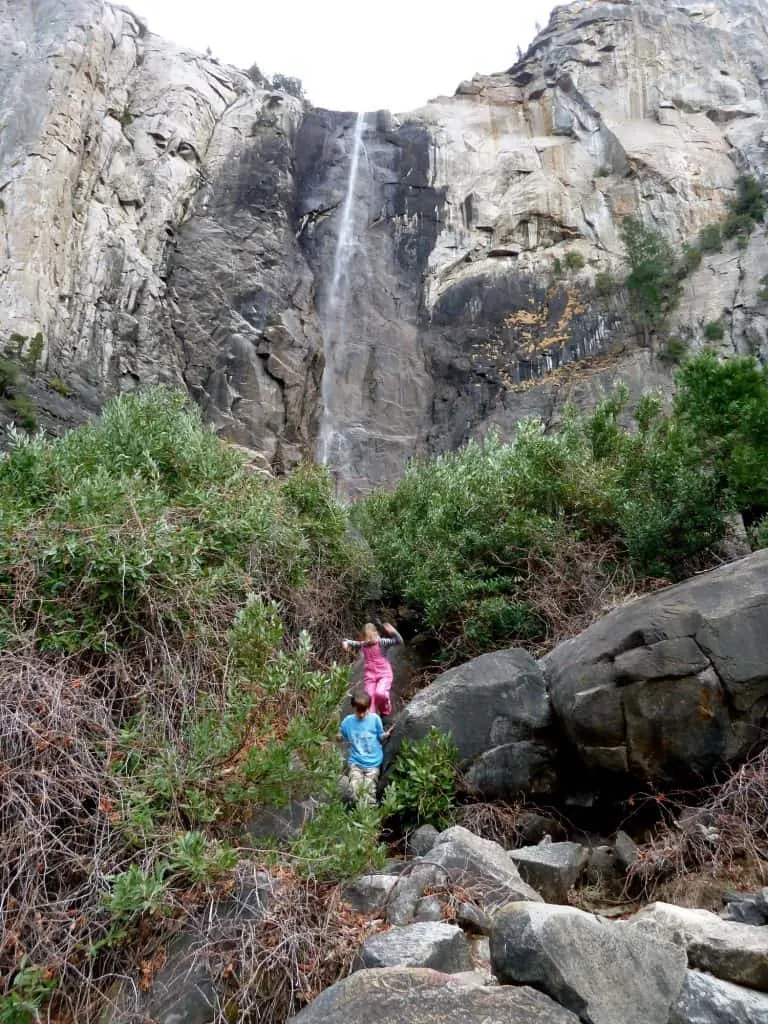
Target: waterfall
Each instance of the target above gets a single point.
(330, 439)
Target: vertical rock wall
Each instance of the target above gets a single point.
(165, 219)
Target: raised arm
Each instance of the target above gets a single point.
(351, 645)
(394, 637)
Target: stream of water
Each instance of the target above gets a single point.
(331, 440)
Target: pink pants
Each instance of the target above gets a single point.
(378, 689)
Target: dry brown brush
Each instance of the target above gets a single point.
(720, 832)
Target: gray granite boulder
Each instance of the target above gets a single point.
(708, 1000)
(369, 893)
(421, 840)
(481, 866)
(731, 951)
(605, 972)
(497, 710)
(412, 995)
(672, 685)
(551, 868)
(440, 946)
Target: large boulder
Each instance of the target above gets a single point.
(424, 944)
(731, 951)
(497, 709)
(413, 995)
(708, 1000)
(551, 868)
(605, 972)
(672, 685)
(481, 866)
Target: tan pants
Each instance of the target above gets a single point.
(363, 782)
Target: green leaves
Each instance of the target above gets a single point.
(422, 781)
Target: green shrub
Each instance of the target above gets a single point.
(714, 330)
(31, 989)
(340, 842)
(711, 238)
(24, 412)
(674, 349)
(724, 408)
(653, 283)
(496, 622)
(59, 386)
(9, 377)
(692, 257)
(422, 781)
(605, 285)
(574, 260)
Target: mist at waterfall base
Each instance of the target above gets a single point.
(351, 56)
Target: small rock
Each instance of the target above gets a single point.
(410, 887)
(551, 868)
(369, 892)
(602, 864)
(442, 947)
(421, 840)
(428, 908)
(627, 851)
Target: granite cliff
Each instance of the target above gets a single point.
(165, 218)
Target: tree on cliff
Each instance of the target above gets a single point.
(653, 284)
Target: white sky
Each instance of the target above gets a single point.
(353, 55)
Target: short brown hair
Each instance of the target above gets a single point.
(361, 700)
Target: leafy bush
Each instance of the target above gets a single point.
(491, 545)
(714, 330)
(711, 238)
(340, 842)
(30, 991)
(605, 285)
(724, 408)
(674, 349)
(422, 781)
(653, 283)
(154, 671)
(574, 260)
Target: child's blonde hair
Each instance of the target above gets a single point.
(370, 633)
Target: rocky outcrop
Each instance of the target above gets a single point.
(732, 952)
(164, 218)
(664, 689)
(409, 995)
(497, 710)
(604, 972)
(707, 1000)
(672, 685)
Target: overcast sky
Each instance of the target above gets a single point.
(356, 55)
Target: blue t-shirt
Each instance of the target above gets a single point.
(364, 738)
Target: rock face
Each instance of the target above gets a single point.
(733, 952)
(165, 219)
(425, 944)
(707, 1000)
(403, 995)
(497, 710)
(673, 684)
(605, 972)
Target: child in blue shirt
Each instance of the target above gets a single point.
(364, 733)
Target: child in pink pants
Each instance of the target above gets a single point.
(377, 672)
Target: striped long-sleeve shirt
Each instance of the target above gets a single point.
(383, 641)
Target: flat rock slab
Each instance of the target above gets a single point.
(551, 868)
(708, 1000)
(482, 866)
(731, 951)
(434, 944)
(411, 995)
(606, 972)
(369, 892)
